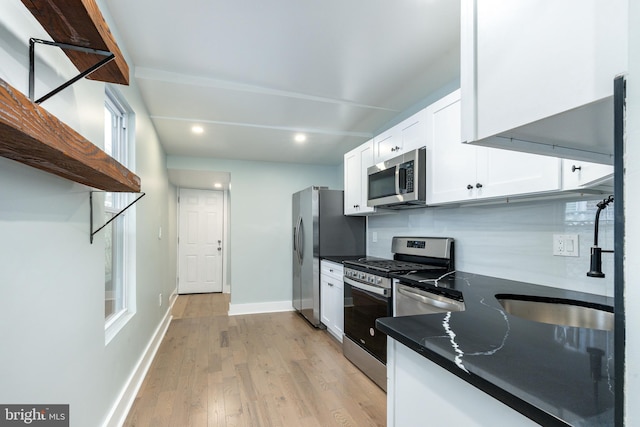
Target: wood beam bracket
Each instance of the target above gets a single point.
(108, 57)
(93, 233)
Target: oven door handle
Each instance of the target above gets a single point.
(369, 288)
(431, 299)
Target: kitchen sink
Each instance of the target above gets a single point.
(558, 311)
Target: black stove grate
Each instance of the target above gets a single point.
(392, 266)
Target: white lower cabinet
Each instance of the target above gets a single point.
(332, 297)
(422, 393)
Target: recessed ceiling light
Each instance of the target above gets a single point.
(197, 129)
(300, 137)
(217, 185)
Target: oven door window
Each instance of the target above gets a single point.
(361, 309)
(382, 184)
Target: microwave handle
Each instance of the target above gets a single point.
(401, 181)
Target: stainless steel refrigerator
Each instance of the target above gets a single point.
(320, 229)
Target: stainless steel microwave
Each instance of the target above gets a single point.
(398, 182)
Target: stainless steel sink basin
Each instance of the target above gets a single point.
(557, 311)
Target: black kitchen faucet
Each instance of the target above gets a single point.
(596, 252)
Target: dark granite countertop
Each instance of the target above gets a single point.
(341, 258)
(547, 372)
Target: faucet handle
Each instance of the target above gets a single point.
(596, 263)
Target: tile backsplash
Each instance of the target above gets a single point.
(510, 240)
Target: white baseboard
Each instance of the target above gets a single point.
(173, 297)
(120, 409)
(260, 307)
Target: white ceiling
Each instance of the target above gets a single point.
(253, 73)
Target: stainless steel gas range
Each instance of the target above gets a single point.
(368, 296)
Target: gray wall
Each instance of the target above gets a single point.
(261, 225)
(51, 278)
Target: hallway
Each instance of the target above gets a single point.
(253, 370)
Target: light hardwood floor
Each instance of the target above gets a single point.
(254, 370)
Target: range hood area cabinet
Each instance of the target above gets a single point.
(410, 134)
(537, 76)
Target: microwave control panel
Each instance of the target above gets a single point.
(407, 167)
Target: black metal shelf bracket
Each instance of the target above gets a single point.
(32, 65)
(92, 232)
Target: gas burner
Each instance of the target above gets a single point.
(392, 266)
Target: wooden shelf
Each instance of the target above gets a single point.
(80, 22)
(31, 135)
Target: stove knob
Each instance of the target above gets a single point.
(379, 280)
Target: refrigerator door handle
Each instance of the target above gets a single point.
(301, 240)
(296, 239)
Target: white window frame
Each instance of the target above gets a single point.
(123, 150)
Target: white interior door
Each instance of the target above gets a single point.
(200, 241)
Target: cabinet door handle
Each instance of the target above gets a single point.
(478, 185)
(575, 168)
(469, 187)
(330, 284)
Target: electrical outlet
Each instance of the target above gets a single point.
(374, 236)
(566, 245)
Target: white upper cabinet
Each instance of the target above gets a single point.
(458, 172)
(579, 174)
(386, 145)
(537, 75)
(407, 135)
(356, 163)
(451, 165)
(510, 173)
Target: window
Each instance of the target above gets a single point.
(119, 238)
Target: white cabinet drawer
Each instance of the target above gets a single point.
(332, 269)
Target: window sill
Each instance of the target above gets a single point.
(113, 326)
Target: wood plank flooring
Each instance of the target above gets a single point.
(254, 370)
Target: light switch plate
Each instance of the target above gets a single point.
(566, 245)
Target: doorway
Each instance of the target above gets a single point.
(200, 241)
